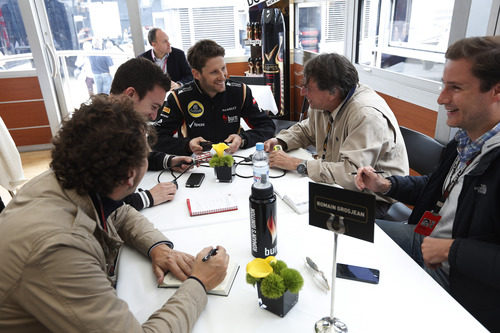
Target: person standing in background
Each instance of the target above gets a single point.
(170, 59)
(100, 68)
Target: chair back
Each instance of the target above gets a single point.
(424, 152)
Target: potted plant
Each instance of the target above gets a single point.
(222, 164)
(277, 285)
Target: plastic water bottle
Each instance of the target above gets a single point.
(260, 162)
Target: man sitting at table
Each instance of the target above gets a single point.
(349, 124)
(147, 86)
(210, 108)
(458, 239)
(61, 233)
(170, 60)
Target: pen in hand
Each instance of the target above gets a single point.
(378, 171)
(211, 253)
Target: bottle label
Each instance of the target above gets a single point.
(263, 231)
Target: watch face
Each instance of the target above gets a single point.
(301, 168)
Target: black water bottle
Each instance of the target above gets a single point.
(263, 232)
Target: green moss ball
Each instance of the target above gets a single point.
(292, 279)
(278, 266)
(272, 286)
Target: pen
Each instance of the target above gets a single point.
(211, 253)
(380, 171)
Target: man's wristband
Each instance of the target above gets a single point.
(195, 278)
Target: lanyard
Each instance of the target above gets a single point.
(330, 122)
(103, 217)
(453, 181)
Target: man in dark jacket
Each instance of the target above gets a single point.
(210, 108)
(457, 211)
(147, 86)
(171, 60)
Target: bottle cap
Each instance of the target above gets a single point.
(259, 146)
(262, 192)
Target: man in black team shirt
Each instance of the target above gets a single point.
(210, 108)
(147, 85)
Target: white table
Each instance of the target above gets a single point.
(397, 304)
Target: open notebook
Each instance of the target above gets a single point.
(223, 289)
(211, 205)
(295, 193)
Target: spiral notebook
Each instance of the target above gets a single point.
(211, 205)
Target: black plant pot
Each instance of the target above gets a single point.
(224, 173)
(278, 306)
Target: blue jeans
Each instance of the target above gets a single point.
(102, 82)
(403, 235)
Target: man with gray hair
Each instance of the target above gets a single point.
(349, 124)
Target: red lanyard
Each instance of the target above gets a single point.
(103, 218)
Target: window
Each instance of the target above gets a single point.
(404, 36)
(320, 26)
(185, 23)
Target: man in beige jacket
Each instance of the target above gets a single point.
(349, 124)
(60, 235)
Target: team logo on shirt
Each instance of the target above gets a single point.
(230, 119)
(195, 109)
(166, 110)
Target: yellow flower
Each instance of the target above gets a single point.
(271, 260)
(259, 268)
(219, 148)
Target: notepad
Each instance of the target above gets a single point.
(295, 193)
(223, 289)
(211, 205)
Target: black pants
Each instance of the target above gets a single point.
(381, 209)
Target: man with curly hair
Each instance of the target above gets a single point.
(147, 85)
(60, 235)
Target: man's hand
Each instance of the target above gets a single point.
(367, 178)
(269, 144)
(163, 192)
(435, 251)
(181, 163)
(164, 259)
(213, 271)
(235, 140)
(280, 159)
(195, 146)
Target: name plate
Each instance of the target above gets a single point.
(346, 212)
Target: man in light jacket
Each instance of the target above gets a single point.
(349, 124)
(61, 233)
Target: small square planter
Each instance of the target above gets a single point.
(278, 306)
(224, 173)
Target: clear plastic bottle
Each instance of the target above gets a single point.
(260, 162)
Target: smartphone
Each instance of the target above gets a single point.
(195, 179)
(358, 273)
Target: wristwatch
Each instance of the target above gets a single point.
(302, 168)
(243, 142)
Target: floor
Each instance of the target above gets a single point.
(34, 163)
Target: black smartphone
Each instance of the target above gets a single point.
(195, 179)
(357, 273)
(206, 145)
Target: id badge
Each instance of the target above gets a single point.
(427, 223)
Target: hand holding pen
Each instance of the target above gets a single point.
(210, 266)
(212, 252)
(367, 178)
